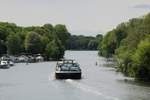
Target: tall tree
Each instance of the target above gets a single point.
(62, 33)
(14, 44)
(141, 60)
(54, 50)
(33, 43)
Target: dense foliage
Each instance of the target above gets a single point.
(130, 43)
(83, 42)
(47, 40)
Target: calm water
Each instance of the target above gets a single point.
(36, 82)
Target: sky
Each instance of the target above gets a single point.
(81, 17)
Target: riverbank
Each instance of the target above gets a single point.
(130, 43)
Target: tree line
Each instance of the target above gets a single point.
(47, 40)
(83, 42)
(129, 43)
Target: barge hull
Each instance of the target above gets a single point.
(68, 75)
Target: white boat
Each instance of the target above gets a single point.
(11, 63)
(68, 69)
(39, 59)
(4, 64)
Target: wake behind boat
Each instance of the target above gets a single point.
(67, 69)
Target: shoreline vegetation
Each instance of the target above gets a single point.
(129, 44)
(48, 40)
(81, 42)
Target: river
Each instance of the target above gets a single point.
(36, 81)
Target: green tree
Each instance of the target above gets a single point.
(62, 33)
(108, 44)
(33, 43)
(82, 42)
(54, 50)
(49, 31)
(141, 60)
(14, 44)
(44, 40)
(92, 45)
(34, 39)
(130, 43)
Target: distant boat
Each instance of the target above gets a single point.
(10, 63)
(4, 64)
(22, 59)
(39, 58)
(68, 69)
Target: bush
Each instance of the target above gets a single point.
(141, 61)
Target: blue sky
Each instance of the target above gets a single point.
(86, 17)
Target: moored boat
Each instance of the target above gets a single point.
(10, 63)
(4, 64)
